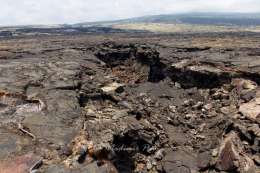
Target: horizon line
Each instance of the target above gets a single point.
(136, 17)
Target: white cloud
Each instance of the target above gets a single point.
(19, 12)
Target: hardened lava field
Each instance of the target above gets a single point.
(176, 103)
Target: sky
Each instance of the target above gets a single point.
(24, 12)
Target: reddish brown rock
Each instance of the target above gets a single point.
(21, 164)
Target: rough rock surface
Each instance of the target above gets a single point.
(122, 103)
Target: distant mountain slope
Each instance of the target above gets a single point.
(239, 19)
(171, 23)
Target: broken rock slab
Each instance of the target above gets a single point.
(244, 84)
(113, 87)
(60, 122)
(50, 128)
(191, 73)
(208, 74)
(251, 110)
(180, 161)
(232, 156)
